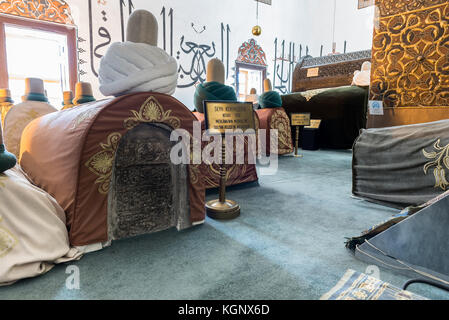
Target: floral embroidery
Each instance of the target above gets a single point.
(7, 241)
(101, 163)
(281, 122)
(440, 161)
(152, 111)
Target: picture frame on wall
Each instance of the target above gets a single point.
(366, 3)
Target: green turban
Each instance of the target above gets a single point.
(7, 160)
(270, 99)
(35, 97)
(83, 99)
(212, 91)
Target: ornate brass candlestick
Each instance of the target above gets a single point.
(222, 209)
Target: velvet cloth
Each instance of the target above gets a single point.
(236, 174)
(18, 117)
(33, 235)
(342, 111)
(212, 91)
(277, 118)
(81, 143)
(402, 166)
(270, 99)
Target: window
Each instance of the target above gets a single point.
(37, 49)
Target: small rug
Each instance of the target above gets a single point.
(359, 286)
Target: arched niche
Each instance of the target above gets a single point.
(148, 193)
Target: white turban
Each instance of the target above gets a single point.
(130, 67)
(363, 77)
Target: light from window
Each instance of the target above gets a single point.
(34, 53)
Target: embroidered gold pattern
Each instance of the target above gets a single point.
(152, 111)
(440, 160)
(101, 163)
(411, 54)
(4, 108)
(281, 122)
(7, 240)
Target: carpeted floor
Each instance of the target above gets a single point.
(288, 244)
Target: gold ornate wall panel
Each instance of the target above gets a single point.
(410, 64)
(48, 10)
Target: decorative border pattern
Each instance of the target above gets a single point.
(250, 52)
(393, 7)
(48, 10)
(336, 58)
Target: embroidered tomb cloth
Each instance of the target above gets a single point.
(33, 235)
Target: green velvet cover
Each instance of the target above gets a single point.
(7, 160)
(270, 99)
(343, 111)
(212, 91)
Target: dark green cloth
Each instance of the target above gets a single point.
(7, 160)
(270, 99)
(35, 97)
(83, 99)
(342, 111)
(213, 91)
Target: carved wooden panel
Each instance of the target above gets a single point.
(329, 71)
(148, 193)
(411, 54)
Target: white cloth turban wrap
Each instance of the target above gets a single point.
(130, 67)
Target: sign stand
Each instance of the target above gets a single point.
(222, 209)
(299, 120)
(221, 116)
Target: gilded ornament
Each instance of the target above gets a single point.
(440, 160)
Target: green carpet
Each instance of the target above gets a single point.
(288, 244)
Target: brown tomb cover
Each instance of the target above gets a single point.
(70, 155)
(404, 165)
(277, 118)
(410, 62)
(236, 173)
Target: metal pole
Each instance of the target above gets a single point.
(223, 170)
(297, 141)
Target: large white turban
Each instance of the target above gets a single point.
(129, 67)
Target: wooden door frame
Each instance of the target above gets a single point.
(239, 65)
(69, 31)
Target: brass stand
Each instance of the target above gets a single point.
(297, 144)
(222, 209)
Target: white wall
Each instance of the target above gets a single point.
(307, 22)
(351, 24)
